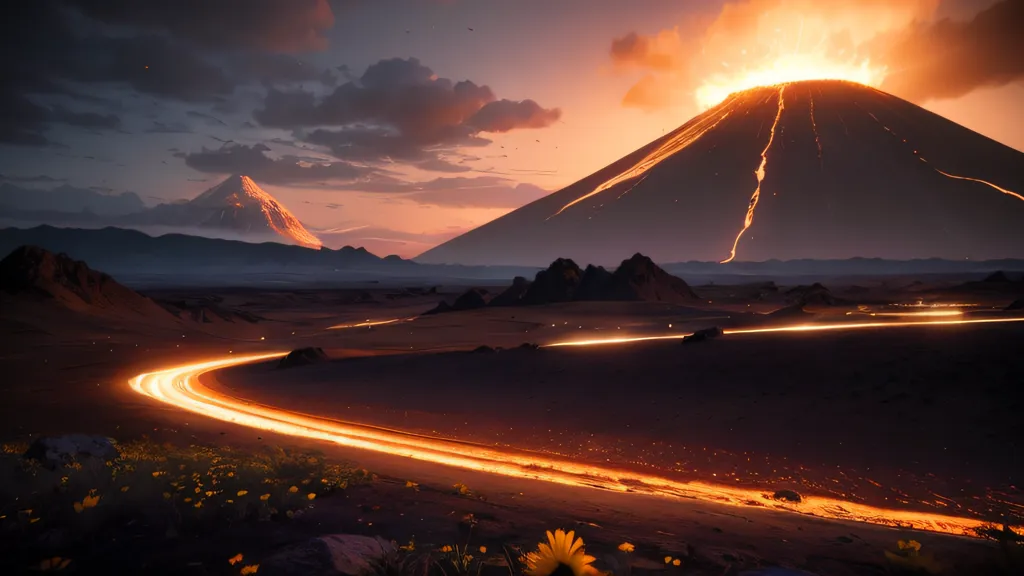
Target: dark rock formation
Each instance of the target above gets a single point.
(35, 273)
(997, 276)
(594, 285)
(702, 335)
(303, 357)
(471, 299)
(639, 278)
(513, 295)
(556, 284)
(484, 350)
(787, 496)
(815, 294)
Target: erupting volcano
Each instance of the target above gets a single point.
(815, 169)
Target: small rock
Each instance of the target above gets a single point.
(787, 496)
(344, 554)
(702, 335)
(56, 451)
(303, 357)
(484, 350)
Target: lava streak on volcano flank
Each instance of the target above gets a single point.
(837, 169)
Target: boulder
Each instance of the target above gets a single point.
(702, 335)
(331, 555)
(787, 496)
(471, 299)
(303, 357)
(54, 451)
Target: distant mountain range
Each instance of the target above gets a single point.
(117, 249)
(181, 259)
(237, 207)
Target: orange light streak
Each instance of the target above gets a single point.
(922, 313)
(817, 137)
(179, 386)
(685, 136)
(794, 328)
(368, 323)
(980, 181)
(749, 219)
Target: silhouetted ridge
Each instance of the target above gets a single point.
(33, 272)
(639, 278)
(556, 284)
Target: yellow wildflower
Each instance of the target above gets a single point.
(187, 500)
(242, 492)
(446, 548)
(265, 497)
(626, 547)
(310, 496)
(668, 559)
(124, 488)
(235, 559)
(293, 489)
(209, 493)
(251, 569)
(167, 495)
(563, 553)
(483, 549)
(676, 562)
(411, 484)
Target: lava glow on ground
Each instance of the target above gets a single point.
(368, 323)
(180, 386)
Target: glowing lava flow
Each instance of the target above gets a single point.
(749, 219)
(684, 137)
(279, 219)
(946, 174)
(796, 328)
(978, 180)
(817, 137)
(179, 386)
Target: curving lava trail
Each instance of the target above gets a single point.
(760, 172)
(180, 386)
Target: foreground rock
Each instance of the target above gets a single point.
(55, 451)
(703, 335)
(303, 357)
(332, 555)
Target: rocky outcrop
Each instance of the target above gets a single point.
(556, 284)
(471, 299)
(37, 274)
(513, 295)
(815, 294)
(303, 357)
(639, 278)
(594, 284)
(997, 277)
(636, 279)
(703, 335)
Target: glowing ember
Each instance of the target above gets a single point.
(749, 219)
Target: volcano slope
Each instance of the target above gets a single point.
(818, 170)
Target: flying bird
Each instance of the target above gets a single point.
(468, 28)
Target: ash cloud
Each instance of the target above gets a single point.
(948, 58)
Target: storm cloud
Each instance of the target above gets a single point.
(255, 162)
